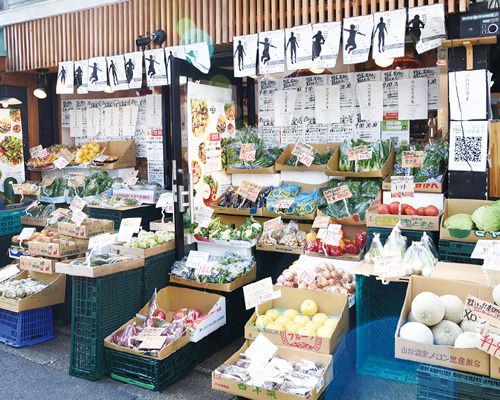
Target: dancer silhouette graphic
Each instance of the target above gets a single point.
(93, 77)
(351, 40)
(240, 50)
(62, 75)
(294, 45)
(112, 71)
(129, 70)
(318, 41)
(382, 30)
(78, 77)
(265, 52)
(151, 67)
(414, 27)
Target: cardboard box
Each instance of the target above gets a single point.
(58, 248)
(142, 253)
(249, 277)
(256, 212)
(494, 367)
(279, 248)
(53, 294)
(281, 162)
(469, 281)
(333, 305)
(146, 196)
(64, 267)
(307, 217)
(168, 226)
(414, 222)
(418, 200)
(250, 392)
(459, 206)
(31, 221)
(368, 269)
(422, 187)
(333, 168)
(89, 227)
(39, 264)
(123, 149)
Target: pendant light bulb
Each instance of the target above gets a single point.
(384, 62)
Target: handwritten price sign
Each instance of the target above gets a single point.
(76, 179)
(402, 187)
(412, 159)
(249, 190)
(301, 148)
(338, 193)
(205, 269)
(247, 152)
(306, 159)
(273, 224)
(354, 153)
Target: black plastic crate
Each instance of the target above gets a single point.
(411, 235)
(457, 252)
(156, 273)
(62, 312)
(147, 213)
(100, 306)
(378, 307)
(442, 383)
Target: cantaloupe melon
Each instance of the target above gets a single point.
(467, 340)
(453, 308)
(427, 308)
(416, 332)
(496, 294)
(445, 332)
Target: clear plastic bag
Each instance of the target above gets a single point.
(419, 260)
(395, 246)
(429, 245)
(376, 249)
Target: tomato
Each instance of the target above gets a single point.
(160, 314)
(431, 211)
(421, 211)
(351, 248)
(410, 211)
(383, 209)
(404, 206)
(394, 207)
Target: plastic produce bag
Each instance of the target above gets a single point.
(429, 245)
(395, 246)
(376, 249)
(419, 260)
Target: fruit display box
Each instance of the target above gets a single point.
(143, 253)
(65, 267)
(89, 227)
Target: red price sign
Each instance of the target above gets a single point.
(306, 159)
(247, 152)
(284, 203)
(205, 269)
(214, 137)
(306, 276)
(354, 153)
(412, 159)
(249, 190)
(365, 155)
(490, 341)
(338, 193)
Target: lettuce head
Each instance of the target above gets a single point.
(487, 218)
(459, 221)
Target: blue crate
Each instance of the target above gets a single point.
(10, 221)
(26, 327)
(377, 313)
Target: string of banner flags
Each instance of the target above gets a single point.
(317, 45)
(124, 71)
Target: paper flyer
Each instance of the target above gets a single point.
(357, 34)
(389, 29)
(156, 69)
(133, 69)
(271, 51)
(426, 26)
(298, 47)
(325, 44)
(65, 78)
(81, 76)
(245, 55)
(117, 73)
(98, 80)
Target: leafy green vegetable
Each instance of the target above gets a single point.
(487, 218)
(380, 151)
(459, 221)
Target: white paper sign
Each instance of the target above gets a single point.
(203, 216)
(271, 51)
(412, 99)
(198, 54)
(325, 44)
(298, 47)
(402, 187)
(426, 26)
(65, 78)
(156, 69)
(106, 239)
(327, 109)
(369, 95)
(78, 216)
(261, 350)
(389, 34)
(77, 204)
(254, 291)
(468, 146)
(117, 74)
(357, 34)
(166, 201)
(26, 233)
(128, 227)
(283, 115)
(468, 93)
(98, 80)
(133, 69)
(245, 55)
(60, 163)
(196, 258)
(81, 76)
(486, 248)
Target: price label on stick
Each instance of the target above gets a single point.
(76, 179)
(485, 249)
(131, 178)
(128, 227)
(334, 228)
(166, 201)
(247, 152)
(402, 187)
(490, 340)
(365, 155)
(354, 153)
(18, 188)
(338, 193)
(77, 204)
(78, 217)
(305, 275)
(197, 258)
(332, 238)
(273, 225)
(61, 163)
(284, 204)
(412, 159)
(203, 216)
(249, 190)
(26, 233)
(321, 233)
(38, 152)
(306, 159)
(255, 291)
(301, 148)
(321, 221)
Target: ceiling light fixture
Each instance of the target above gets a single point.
(157, 38)
(317, 70)
(384, 62)
(41, 84)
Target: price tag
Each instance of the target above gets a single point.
(321, 221)
(26, 233)
(334, 228)
(196, 258)
(490, 341)
(203, 216)
(306, 159)
(76, 179)
(492, 263)
(321, 233)
(272, 225)
(402, 187)
(60, 163)
(100, 158)
(106, 239)
(128, 226)
(77, 204)
(412, 159)
(48, 181)
(354, 153)
(388, 267)
(332, 238)
(153, 342)
(249, 190)
(131, 178)
(257, 290)
(305, 275)
(166, 201)
(247, 152)
(78, 217)
(285, 203)
(38, 152)
(365, 155)
(338, 193)
(18, 188)
(205, 269)
(477, 310)
(261, 350)
(150, 331)
(30, 188)
(485, 249)
(300, 148)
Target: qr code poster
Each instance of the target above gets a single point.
(468, 146)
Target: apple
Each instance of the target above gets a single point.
(290, 313)
(273, 314)
(325, 332)
(319, 318)
(292, 327)
(306, 331)
(301, 320)
(262, 321)
(309, 307)
(282, 320)
(331, 323)
(274, 326)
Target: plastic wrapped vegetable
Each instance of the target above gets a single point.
(434, 162)
(380, 151)
(398, 161)
(429, 245)
(376, 249)
(419, 260)
(395, 246)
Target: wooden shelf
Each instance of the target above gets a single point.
(469, 43)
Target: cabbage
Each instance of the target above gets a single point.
(459, 221)
(487, 218)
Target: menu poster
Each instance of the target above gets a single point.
(11, 145)
(357, 34)
(65, 78)
(426, 26)
(390, 81)
(81, 76)
(298, 47)
(432, 75)
(211, 117)
(245, 55)
(325, 44)
(271, 51)
(389, 29)
(98, 80)
(156, 69)
(133, 69)
(117, 74)
(368, 131)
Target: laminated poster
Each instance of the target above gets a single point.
(426, 26)
(389, 30)
(325, 44)
(432, 75)
(156, 69)
(65, 78)
(245, 55)
(198, 54)
(397, 131)
(390, 81)
(369, 95)
(81, 76)
(177, 52)
(117, 74)
(357, 34)
(468, 146)
(412, 98)
(272, 51)
(298, 47)
(11, 145)
(98, 80)
(133, 69)
(468, 91)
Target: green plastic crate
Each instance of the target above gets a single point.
(411, 235)
(10, 222)
(62, 312)
(100, 306)
(156, 273)
(378, 307)
(148, 214)
(457, 252)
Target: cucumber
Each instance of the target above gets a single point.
(9, 190)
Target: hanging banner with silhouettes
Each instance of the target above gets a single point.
(198, 55)
(81, 76)
(357, 34)
(116, 73)
(65, 78)
(175, 51)
(325, 44)
(133, 69)
(298, 47)
(245, 55)
(389, 30)
(271, 52)
(426, 26)
(98, 80)
(156, 70)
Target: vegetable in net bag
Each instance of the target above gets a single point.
(376, 249)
